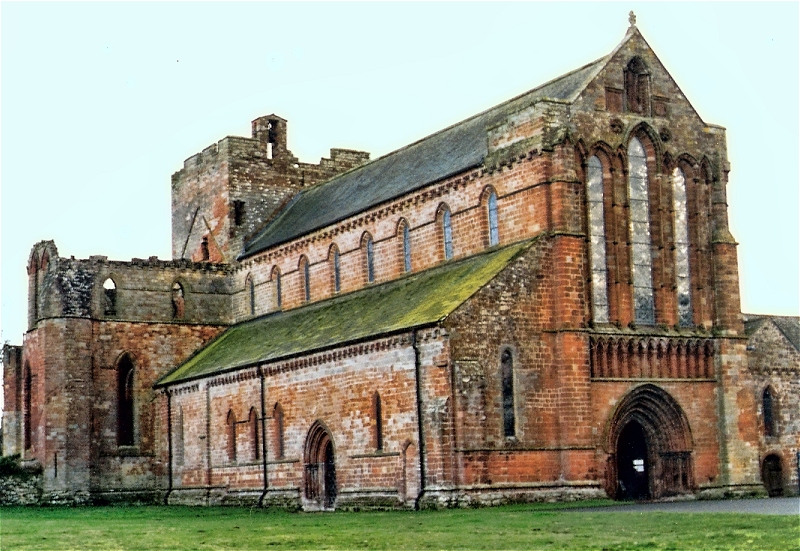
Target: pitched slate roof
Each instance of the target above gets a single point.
(413, 301)
(788, 325)
(445, 153)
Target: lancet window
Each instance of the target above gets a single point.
(681, 224)
(597, 239)
(639, 216)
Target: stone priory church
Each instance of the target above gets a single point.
(539, 302)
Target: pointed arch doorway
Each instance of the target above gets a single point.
(650, 447)
(320, 468)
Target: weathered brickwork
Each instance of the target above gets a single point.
(549, 341)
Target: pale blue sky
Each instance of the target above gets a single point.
(102, 102)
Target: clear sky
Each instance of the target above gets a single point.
(102, 102)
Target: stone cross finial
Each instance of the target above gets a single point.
(632, 18)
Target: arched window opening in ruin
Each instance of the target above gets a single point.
(377, 416)
(369, 248)
(306, 278)
(337, 269)
(772, 475)
(406, 233)
(494, 232)
(639, 219)
(238, 213)
(320, 468)
(125, 402)
(507, 376)
(277, 431)
(230, 436)
(251, 294)
(204, 252)
(178, 301)
(254, 434)
(27, 408)
(683, 285)
(769, 406)
(109, 297)
(597, 239)
(637, 87)
(447, 233)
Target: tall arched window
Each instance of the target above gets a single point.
(179, 439)
(447, 233)
(276, 278)
(377, 416)
(178, 302)
(27, 408)
(494, 233)
(337, 269)
(306, 279)
(369, 247)
(597, 239)
(406, 234)
(254, 433)
(507, 375)
(251, 294)
(109, 297)
(125, 405)
(639, 213)
(230, 433)
(277, 431)
(681, 221)
(768, 405)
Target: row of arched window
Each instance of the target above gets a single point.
(252, 427)
(367, 246)
(640, 241)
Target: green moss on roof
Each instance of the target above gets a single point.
(413, 301)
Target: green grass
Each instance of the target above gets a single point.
(512, 527)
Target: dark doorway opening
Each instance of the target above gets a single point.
(632, 465)
(320, 468)
(772, 475)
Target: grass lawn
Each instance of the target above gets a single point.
(539, 526)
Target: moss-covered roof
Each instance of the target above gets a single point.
(413, 301)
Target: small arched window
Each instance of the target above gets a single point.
(447, 233)
(230, 430)
(305, 277)
(637, 87)
(254, 433)
(507, 375)
(277, 431)
(276, 278)
(597, 239)
(369, 248)
(768, 405)
(377, 416)
(406, 234)
(125, 402)
(494, 233)
(179, 439)
(178, 302)
(639, 215)
(109, 297)
(337, 269)
(681, 223)
(205, 254)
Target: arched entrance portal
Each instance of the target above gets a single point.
(649, 447)
(320, 468)
(772, 475)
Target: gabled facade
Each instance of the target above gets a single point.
(541, 301)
